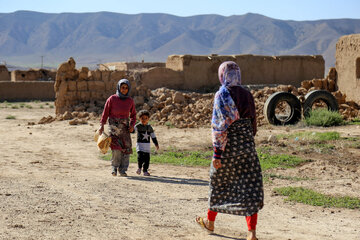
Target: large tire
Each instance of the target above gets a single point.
(317, 95)
(271, 104)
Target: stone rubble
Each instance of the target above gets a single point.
(190, 109)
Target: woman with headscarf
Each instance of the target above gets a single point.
(236, 185)
(118, 109)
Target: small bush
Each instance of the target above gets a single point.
(355, 121)
(324, 118)
(311, 136)
(310, 197)
(268, 177)
(169, 124)
(10, 117)
(269, 161)
(173, 157)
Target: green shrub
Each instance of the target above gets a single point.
(324, 118)
(268, 161)
(311, 136)
(169, 124)
(173, 157)
(310, 197)
(269, 176)
(355, 121)
(10, 117)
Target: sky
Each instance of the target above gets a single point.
(279, 9)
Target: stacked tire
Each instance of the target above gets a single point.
(271, 104)
(294, 115)
(319, 95)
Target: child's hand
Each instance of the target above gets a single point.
(157, 147)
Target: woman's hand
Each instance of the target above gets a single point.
(101, 129)
(131, 129)
(216, 163)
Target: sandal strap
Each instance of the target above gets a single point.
(201, 222)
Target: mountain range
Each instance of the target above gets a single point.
(32, 38)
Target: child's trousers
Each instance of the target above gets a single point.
(143, 160)
(250, 220)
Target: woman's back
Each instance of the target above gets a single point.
(244, 102)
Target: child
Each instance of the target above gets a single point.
(144, 132)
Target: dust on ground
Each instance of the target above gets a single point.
(53, 185)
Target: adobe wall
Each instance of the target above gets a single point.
(162, 77)
(28, 90)
(201, 71)
(33, 75)
(348, 66)
(75, 88)
(127, 66)
(4, 73)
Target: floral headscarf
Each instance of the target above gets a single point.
(225, 111)
(229, 74)
(118, 92)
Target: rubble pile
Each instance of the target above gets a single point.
(85, 100)
(190, 109)
(182, 109)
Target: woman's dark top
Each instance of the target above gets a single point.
(245, 104)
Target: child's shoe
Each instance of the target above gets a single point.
(123, 175)
(146, 174)
(138, 171)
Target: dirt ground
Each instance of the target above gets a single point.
(53, 185)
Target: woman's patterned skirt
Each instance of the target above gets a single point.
(120, 135)
(237, 187)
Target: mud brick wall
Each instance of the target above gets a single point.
(4, 73)
(127, 66)
(348, 66)
(75, 89)
(201, 71)
(33, 75)
(28, 90)
(79, 90)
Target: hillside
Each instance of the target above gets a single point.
(92, 38)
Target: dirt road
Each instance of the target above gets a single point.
(53, 185)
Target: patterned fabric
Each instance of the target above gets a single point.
(229, 74)
(237, 187)
(120, 135)
(225, 111)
